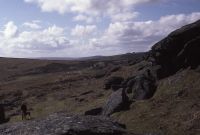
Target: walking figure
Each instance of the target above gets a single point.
(25, 112)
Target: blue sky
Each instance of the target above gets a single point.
(78, 28)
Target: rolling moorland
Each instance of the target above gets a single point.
(150, 93)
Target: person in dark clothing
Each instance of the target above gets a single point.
(25, 112)
(2, 114)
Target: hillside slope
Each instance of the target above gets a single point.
(53, 86)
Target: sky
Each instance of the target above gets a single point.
(81, 28)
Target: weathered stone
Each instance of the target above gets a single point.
(61, 124)
(190, 54)
(144, 86)
(178, 50)
(117, 101)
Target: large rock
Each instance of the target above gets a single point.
(117, 101)
(166, 52)
(113, 81)
(190, 54)
(142, 86)
(61, 124)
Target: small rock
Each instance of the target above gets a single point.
(95, 111)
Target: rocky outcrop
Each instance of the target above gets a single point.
(117, 101)
(143, 85)
(140, 87)
(61, 124)
(113, 81)
(178, 50)
(189, 55)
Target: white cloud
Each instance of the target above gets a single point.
(25, 43)
(85, 18)
(124, 16)
(140, 36)
(61, 6)
(32, 25)
(91, 7)
(118, 37)
(10, 30)
(80, 30)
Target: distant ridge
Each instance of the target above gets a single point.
(98, 57)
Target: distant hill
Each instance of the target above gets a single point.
(98, 58)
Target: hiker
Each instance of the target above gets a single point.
(2, 114)
(25, 112)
